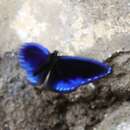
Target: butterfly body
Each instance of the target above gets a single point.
(64, 73)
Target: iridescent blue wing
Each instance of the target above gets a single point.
(71, 72)
(32, 57)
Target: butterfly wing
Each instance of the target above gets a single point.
(32, 57)
(71, 72)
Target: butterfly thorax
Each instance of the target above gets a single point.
(52, 59)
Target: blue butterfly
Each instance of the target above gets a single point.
(64, 74)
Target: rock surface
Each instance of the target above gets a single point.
(99, 29)
(72, 26)
(118, 119)
(23, 108)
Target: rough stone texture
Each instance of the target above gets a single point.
(72, 26)
(95, 28)
(23, 108)
(119, 119)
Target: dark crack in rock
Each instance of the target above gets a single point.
(22, 108)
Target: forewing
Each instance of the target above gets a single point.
(71, 72)
(32, 58)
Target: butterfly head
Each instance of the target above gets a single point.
(55, 53)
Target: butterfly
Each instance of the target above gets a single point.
(61, 74)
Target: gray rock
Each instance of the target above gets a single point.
(117, 120)
(96, 29)
(22, 107)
